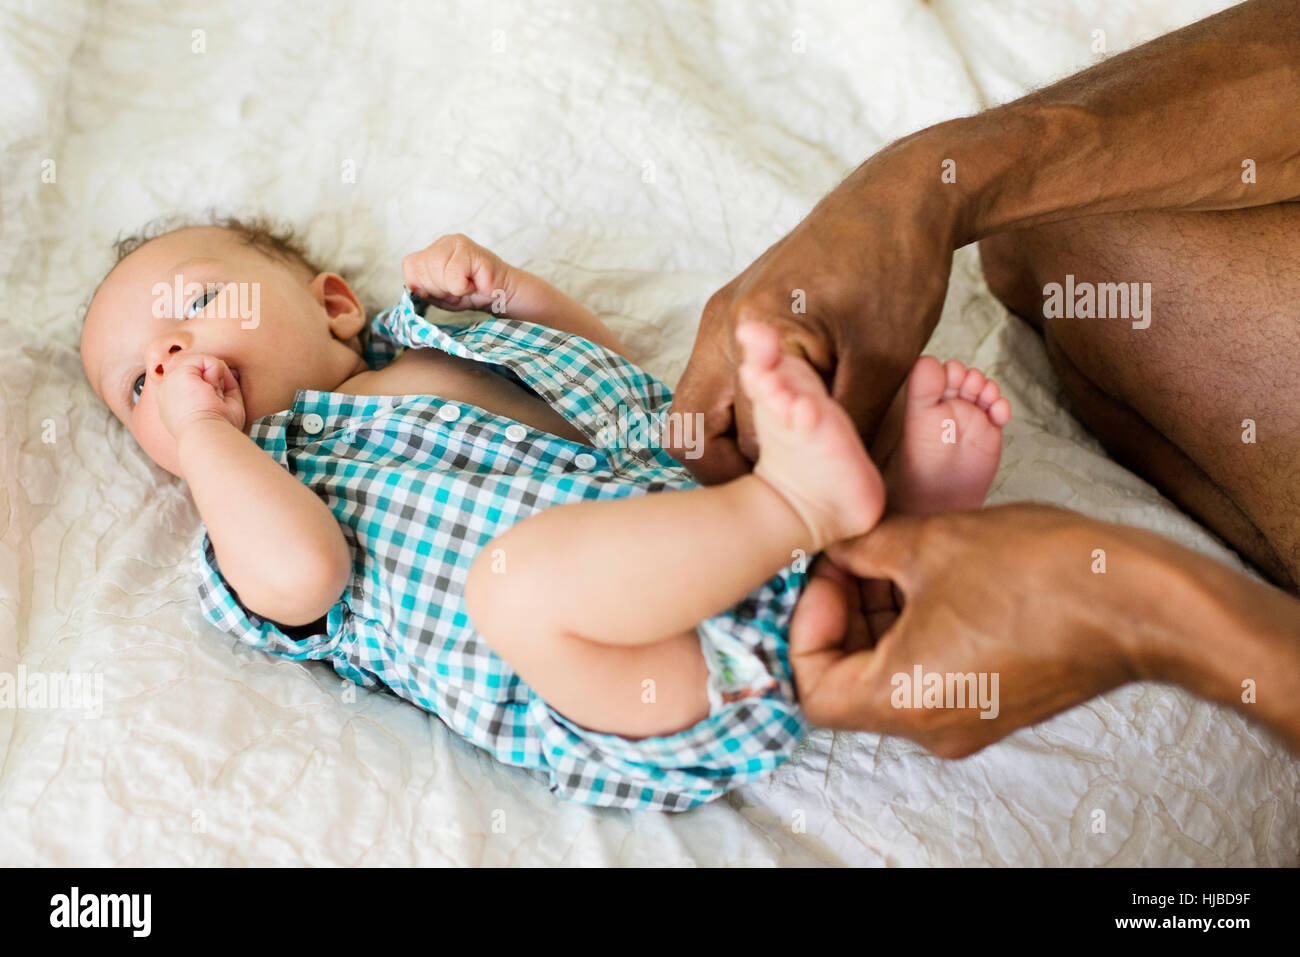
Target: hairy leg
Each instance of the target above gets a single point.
(1174, 401)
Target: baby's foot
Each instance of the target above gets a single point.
(952, 439)
(809, 449)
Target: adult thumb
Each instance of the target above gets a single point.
(818, 629)
(887, 551)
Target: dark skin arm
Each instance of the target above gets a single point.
(1012, 590)
(1166, 125)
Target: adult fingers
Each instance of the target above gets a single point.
(818, 629)
(864, 389)
(704, 398)
(708, 445)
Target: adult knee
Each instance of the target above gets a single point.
(1008, 270)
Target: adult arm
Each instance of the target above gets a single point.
(1167, 125)
(1059, 606)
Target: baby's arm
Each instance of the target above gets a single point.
(536, 300)
(457, 273)
(277, 544)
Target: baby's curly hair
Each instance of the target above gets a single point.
(272, 239)
(276, 240)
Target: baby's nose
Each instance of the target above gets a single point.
(164, 359)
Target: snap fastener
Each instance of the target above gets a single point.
(584, 461)
(312, 423)
(516, 432)
(449, 413)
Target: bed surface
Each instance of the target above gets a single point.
(638, 155)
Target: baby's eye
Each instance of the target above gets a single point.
(137, 388)
(200, 303)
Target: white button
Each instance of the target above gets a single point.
(584, 461)
(312, 423)
(516, 432)
(449, 413)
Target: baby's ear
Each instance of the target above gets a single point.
(346, 315)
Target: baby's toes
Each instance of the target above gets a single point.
(972, 385)
(988, 395)
(1000, 412)
(926, 384)
(766, 390)
(956, 373)
(760, 347)
(802, 413)
(797, 377)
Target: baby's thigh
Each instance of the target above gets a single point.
(634, 692)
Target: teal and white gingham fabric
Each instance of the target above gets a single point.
(420, 484)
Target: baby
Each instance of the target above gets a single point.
(453, 511)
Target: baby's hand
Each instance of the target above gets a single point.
(197, 387)
(457, 273)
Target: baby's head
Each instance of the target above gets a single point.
(239, 291)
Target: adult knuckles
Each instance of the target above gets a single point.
(762, 306)
(716, 311)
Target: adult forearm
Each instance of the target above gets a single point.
(1207, 117)
(1189, 620)
(276, 542)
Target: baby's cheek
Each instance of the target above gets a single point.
(157, 442)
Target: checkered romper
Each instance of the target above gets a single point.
(420, 484)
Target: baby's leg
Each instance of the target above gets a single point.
(636, 692)
(553, 594)
(939, 446)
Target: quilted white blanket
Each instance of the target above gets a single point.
(638, 154)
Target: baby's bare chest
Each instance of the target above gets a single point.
(432, 372)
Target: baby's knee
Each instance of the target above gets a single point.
(484, 602)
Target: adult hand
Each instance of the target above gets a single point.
(856, 288)
(1010, 591)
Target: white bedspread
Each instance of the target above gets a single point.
(638, 154)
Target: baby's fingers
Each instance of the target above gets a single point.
(214, 372)
(221, 378)
(230, 383)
